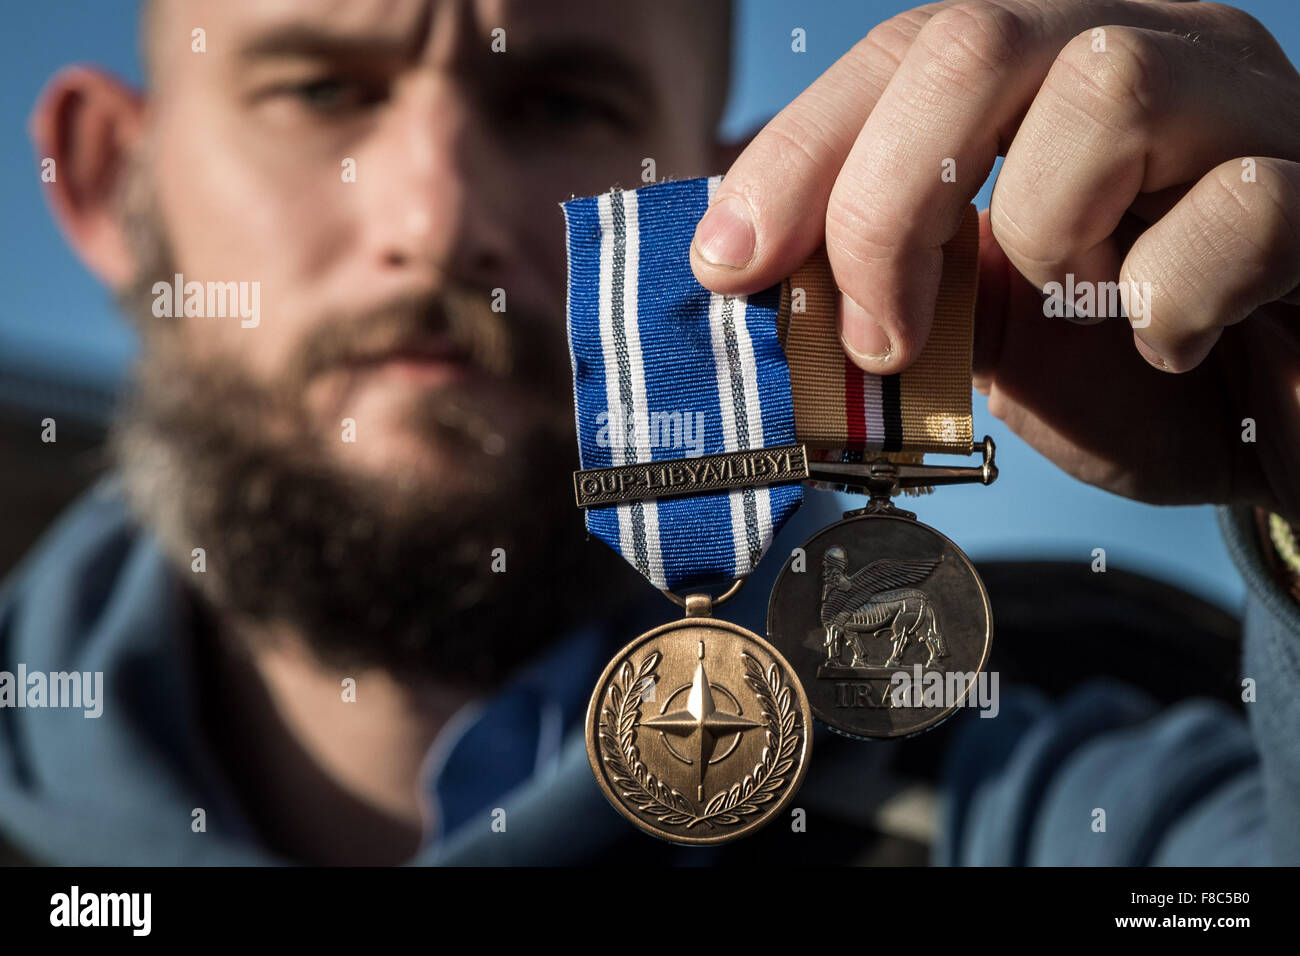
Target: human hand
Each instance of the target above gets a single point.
(1152, 144)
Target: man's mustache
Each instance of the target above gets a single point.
(456, 323)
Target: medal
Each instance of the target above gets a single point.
(884, 618)
(695, 435)
(698, 731)
(890, 625)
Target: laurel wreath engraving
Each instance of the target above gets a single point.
(669, 806)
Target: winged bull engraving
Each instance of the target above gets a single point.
(881, 596)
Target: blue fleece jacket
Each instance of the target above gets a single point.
(1194, 784)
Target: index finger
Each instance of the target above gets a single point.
(767, 216)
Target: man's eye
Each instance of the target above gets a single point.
(332, 94)
(567, 108)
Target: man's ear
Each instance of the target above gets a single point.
(88, 123)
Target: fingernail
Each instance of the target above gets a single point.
(861, 335)
(1151, 355)
(725, 236)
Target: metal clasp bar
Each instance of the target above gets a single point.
(764, 467)
(882, 479)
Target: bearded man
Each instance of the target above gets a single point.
(337, 587)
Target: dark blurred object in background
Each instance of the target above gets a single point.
(37, 478)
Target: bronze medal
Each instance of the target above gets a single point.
(887, 624)
(699, 731)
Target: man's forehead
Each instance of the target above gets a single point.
(624, 26)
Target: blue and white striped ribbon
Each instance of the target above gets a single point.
(650, 346)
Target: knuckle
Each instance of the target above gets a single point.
(1230, 200)
(855, 238)
(1283, 194)
(974, 38)
(795, 143)
(1124, 86)
(1036, 252)
(893, 37)
(861, 226)
(1259, 221)
(1241, 25)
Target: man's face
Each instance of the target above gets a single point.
(388, 173)
(360, 158)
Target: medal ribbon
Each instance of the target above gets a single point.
(665, 370)
(927, 408)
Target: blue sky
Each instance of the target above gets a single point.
(56, 317)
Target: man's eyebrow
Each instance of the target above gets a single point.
(585, 61)
(309, 41)
(590, 62)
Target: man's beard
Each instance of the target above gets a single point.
(388, 571)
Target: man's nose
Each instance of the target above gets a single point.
(430, 206)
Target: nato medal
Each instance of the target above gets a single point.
(698, 731)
